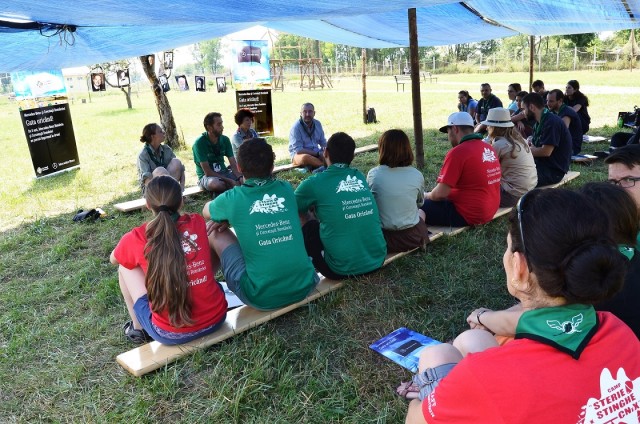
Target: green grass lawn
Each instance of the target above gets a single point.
(61, 311)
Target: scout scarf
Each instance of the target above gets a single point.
(567, 328)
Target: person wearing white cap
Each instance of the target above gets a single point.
(516, 161)
(468, 187)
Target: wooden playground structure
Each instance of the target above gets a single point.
(312, 73)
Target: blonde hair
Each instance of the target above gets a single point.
(512, 136)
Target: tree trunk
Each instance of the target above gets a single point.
(127, 95)
(164, 108)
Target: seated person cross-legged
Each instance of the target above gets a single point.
(468, 187)
(398, 189)
(307, 141)
(264, 262)
(567, 360)
(341, 223)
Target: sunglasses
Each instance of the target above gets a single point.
(520, 210)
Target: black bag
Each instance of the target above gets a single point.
(371, 116)
(631, 118)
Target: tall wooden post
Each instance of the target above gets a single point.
(364, 85)
(415, 88)
(532, 45)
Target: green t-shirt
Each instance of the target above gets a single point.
(349, 221)
(264, 215)
(205, 151)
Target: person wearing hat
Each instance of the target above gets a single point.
(468, 187)
(550, 143)
(516, 161)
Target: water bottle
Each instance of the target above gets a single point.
(620, 121)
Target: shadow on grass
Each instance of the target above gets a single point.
(39, 185)
(62, 316)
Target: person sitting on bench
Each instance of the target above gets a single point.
(468, 187)
(165, 272)
(398, 189)
(209, 151)
(156, 158)
(265, 263)
(341, 222)
(550, 143)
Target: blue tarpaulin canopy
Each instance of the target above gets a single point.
(39, 34)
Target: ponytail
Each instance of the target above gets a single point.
(166, 278)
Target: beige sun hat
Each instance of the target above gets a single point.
(498, 117)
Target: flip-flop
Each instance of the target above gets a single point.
(408, 390)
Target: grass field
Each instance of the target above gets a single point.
(61, 311)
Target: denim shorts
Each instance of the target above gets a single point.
(143, 314)
(429, 379)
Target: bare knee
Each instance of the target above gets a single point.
(437, 355)
(160, 171)
(219, 241)
(472, 341)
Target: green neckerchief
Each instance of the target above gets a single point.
(627, 251)
(537, 128)
(638, 242)
(175, 216)
(567, 328)
(472, 136)
(339, 165)
(253, 182)
(158, 161)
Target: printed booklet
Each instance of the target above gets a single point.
(232, 300)
(403, 347)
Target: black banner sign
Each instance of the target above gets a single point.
(51, 139)
(259, 102)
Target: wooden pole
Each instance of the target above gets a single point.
(415, 88)
(364, 85)
(532, 44)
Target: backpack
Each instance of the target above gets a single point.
(371, 116)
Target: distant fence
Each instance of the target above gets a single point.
(550, 59)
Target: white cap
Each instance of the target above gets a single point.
(458, 118)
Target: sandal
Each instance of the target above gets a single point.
(135, 336)
(408, 390)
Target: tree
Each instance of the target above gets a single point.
(208, 54)
(162, 103)
(110, 69)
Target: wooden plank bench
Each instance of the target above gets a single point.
(429, 75)
(401, 80)
(450, 231)
(151, 356)
(136, 204)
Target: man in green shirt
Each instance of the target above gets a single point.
(209, 151)
(346, 238)
(264, 263)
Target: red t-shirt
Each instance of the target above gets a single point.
(208, 304)
(526, 381)
(472, 170)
